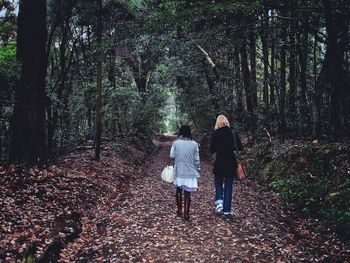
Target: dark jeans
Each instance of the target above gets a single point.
(223, 192)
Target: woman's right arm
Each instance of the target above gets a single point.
(239, 143)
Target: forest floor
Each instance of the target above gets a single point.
(124, 213)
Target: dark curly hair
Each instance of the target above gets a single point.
(185, 131)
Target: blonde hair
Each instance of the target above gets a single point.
(221, 121)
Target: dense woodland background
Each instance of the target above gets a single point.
(74, 72)
(276, 65)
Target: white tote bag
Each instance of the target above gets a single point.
(168, 174)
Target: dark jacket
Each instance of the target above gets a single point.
(223, 144)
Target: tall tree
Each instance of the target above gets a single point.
(333, 78)
(292, 78)
(252, 59)
(272, 81)
(29, 121)
(303, 49)
(334, 65)
(265, 49)
(238, 83)
(282, 86)
(60, 34)
(98, 127)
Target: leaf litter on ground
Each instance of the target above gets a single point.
(127, 214)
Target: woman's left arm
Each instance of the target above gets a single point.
(172, 151)
(196, 158)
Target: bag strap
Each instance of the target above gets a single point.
(235, 141)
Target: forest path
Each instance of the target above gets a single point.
(142, 226)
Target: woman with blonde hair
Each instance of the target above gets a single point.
(224, 142)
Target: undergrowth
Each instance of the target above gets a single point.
(314, 177)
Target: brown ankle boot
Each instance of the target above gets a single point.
(187, 204)
(179, 203)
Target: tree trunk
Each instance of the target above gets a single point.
(238, 84)
(292, 76)
(141, 83)
(89, 116)
(247, 85)
(113, 83)
(98, 128)
(1, 134)
(265, 49)
(61, 86)
(111, 71)
(302, 48)
(50, 126)
(272, 75)
(282, 97)
(317, 96)
(140, 76)
(252, 58)
(246, 77)
(336, 74)
(29, 143)
(332, 78)
(116, 123)
(211, 88)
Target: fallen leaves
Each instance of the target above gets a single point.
(141, 226)
(41, 206)
(127, 215)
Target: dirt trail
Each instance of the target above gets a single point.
(141, 226)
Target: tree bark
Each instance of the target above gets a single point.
(211, 89)
(247, 85)
(116, 123)
(265, 49)
(29, 138)
(317, 96)
(302, 49)
(98, 127)
(238, 83)
(272, 75)
(292, 76)
(52, 126)
(282, 97)
(332, 78)
(336, 74)
(252, 58)
(1, 134)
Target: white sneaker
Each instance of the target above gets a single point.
(218, 208)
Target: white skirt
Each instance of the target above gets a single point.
(187, 184)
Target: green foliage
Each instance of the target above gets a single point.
(313, 178)
(161, 78)
(9, 75)
(148, 112)
(134, 5)
(7, 54)
(9, 69)
(7, 22)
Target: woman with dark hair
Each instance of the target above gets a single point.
(185, 152)
(224, 142)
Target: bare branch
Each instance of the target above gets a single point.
(210, 61)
